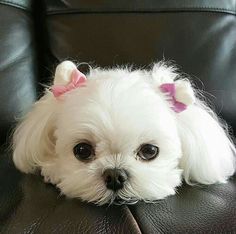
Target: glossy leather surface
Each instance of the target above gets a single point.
(200, 36)
(55, 6)
(21, 4)
(206, 209)
(17, 66)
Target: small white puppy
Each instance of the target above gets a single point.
(123, 135)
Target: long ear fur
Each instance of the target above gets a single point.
(208, 151)
(33, 140)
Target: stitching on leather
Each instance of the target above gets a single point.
(10, 3)
(120, 10)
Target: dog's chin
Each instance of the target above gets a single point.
(104, 197)
(113, 198)
(120, 201)
(116, 199)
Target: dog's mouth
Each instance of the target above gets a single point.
(117, 200)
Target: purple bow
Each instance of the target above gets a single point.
(170, 89)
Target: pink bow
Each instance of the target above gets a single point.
(78, 79)
(170, 89)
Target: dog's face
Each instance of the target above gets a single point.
(122, 135)
(116, 138)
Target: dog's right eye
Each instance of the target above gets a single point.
(83, 151)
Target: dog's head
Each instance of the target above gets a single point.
(121, 134)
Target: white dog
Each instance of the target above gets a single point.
(122, 134)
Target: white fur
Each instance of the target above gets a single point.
(184, 92)
(118, 111)
(63, 72)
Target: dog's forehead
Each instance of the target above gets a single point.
(121, 106)
(118, 92)
(119, 81)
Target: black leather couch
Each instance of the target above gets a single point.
(199, 35)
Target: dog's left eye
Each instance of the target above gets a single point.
(83, 151)
(148, 152)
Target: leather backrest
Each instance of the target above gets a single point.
(199, 35)
(17, 62)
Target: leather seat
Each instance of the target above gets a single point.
(199, 35)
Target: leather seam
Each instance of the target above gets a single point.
(14, 4)
(138, 227)
(120, 10)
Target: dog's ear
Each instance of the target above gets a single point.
(208, 151)
(33, 139)
(177, 92)
(63, 73)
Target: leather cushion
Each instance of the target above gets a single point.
(22, 4)
(198, 209)
(17, 65)
(72, 6)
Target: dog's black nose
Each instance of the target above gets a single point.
(115, 178)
